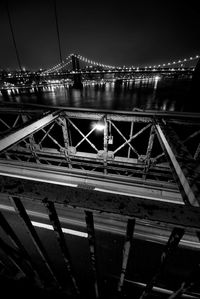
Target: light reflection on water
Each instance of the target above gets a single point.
(148, 93)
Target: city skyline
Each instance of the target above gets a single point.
(111, 33)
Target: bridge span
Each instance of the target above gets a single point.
(133, 173)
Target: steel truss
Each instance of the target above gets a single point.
(131, 145)
(61, 147)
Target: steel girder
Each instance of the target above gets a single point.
(127, 147)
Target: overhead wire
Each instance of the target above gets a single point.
(57, 30)
(59, 41)
(13, 37)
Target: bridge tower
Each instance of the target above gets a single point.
(195, 86)
(76, 68)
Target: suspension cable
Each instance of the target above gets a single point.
(13, 37)
(57, 30)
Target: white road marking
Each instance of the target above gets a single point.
(47, 226)
(65, 230)
(139, 235)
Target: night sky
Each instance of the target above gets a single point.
(111, 32)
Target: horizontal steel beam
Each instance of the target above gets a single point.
(18, 110)
(18, 135)
(90, 113)
(130, 206)
(75, 177)
(109, 116)
(88, 157)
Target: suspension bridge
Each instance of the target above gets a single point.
(78, 69)
(89, 67)
(74, 60)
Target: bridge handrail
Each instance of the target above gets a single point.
(137, 112)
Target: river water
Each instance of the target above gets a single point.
(153, 93)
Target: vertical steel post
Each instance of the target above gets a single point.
(65, 132)
(149, 150)
(105, 145)
(66, 139)
(19, 208)
(53, 217)
(171, 245)
(92, 245)
(32, 142)
(126, 251)
(32, 148)
(130, 135)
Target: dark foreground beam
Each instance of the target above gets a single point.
(132, 206)
(13, 256)
(172, 244)
(53, 217)
(126, 251)
(19, 246)
(34, 236)
(92, 246)
(20, 263)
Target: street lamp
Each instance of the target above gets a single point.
(100, 126)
